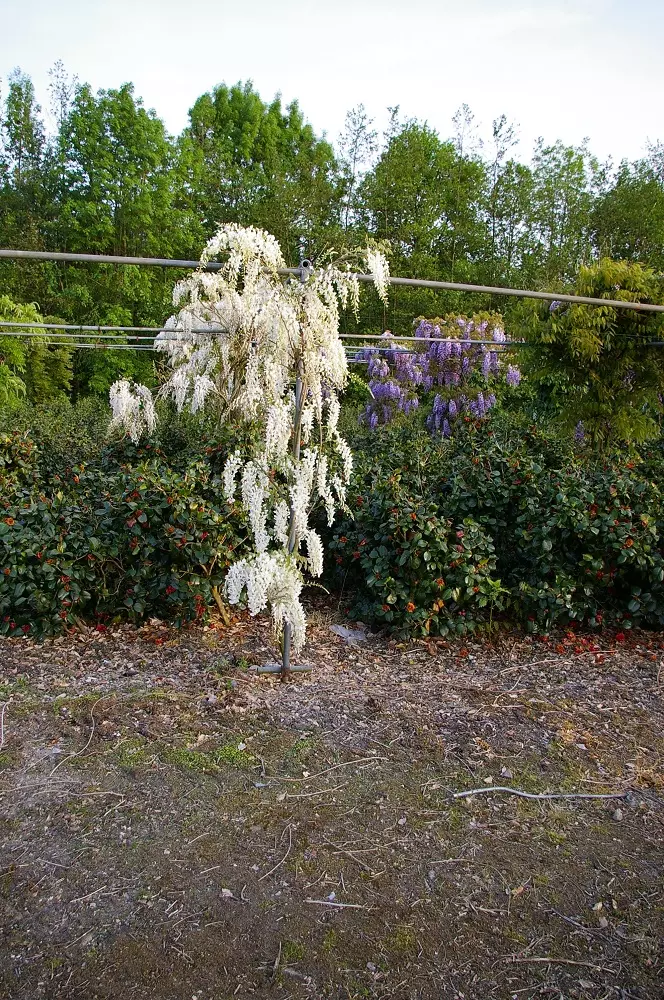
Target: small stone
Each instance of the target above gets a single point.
(349, 634)
(603, 922)
(506, 773)
(618, 815)
(402, 821)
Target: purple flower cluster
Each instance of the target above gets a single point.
(456, 369)
(445, 412)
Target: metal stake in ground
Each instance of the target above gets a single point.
(305, 270)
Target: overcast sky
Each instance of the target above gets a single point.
(560, 68)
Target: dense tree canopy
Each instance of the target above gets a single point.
(100, 173)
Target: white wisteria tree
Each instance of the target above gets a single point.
(265, 348)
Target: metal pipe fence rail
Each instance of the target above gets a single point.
(16, 329)
(28, 331)
(454, 286)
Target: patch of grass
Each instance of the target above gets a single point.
(330, 941)
(402, 941)
(221, 667)
(10, 688)
(8, 758)
(357, 990)
(303, 750)
(130, 754)
(292, 951)
(555, 837)
(207, 761)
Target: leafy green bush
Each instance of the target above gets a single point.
(144, 540)
(63, 433)
(598, 364)
(417, 572)
(18, 460)
(29, 365)
(545, 538)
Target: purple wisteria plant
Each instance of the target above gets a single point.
(450, 372)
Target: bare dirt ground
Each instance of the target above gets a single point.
(173, 826)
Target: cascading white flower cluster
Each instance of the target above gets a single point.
(380, 271)
(267, 349)
(132, 407)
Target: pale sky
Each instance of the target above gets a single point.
(560, 68)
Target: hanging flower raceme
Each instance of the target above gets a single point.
(259, 346)
(454, 365)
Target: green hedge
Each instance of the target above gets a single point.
(505, 520)
(110, 540)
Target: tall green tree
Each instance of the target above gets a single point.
(23, 130)
(628, 219)
(598, 362)
(357, 144)
(566, 181)
(246, 161)
(23, 185)
(425, 197)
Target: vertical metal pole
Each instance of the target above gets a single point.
(305, 271)
(285, 663)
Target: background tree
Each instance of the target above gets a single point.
(30, 367)
(357, 144)
(425, 198)
(628, 218)
(249, 162)
(607, 378)
(565, 182)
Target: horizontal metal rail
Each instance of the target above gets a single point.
(101, 347)
(71, 327)
(88, 328)
(450, 286)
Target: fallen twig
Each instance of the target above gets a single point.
(308, 795)
(276, 962)
(542, 795)
(280, 863)
(575, 923)
(5, 706)
(332, 902)
(448, 861)
(92, 732)
(351, 855)
(199, 837)
(550, 960)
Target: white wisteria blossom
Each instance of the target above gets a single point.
(379, 270)
(261, 346)
(231, 469)
(133, 409)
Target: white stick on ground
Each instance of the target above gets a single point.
(543, 795)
